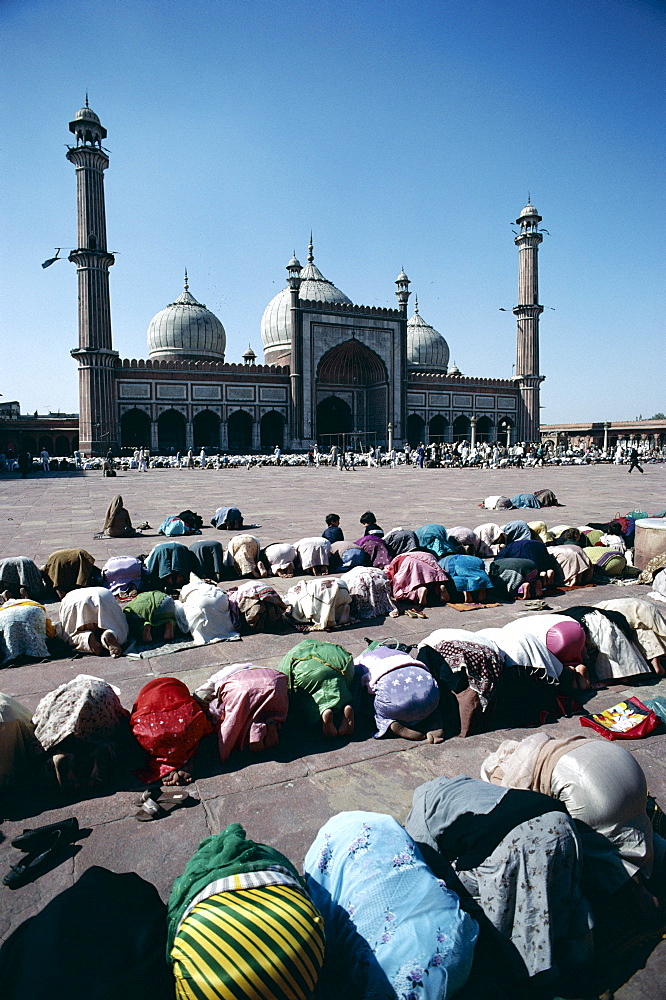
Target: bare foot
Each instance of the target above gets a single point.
(24, 593)
(111, 643)
(147, 635)
(95, 646)
(327, 724)
(179, 777)
(263, 572)
(6, 596)
(657, 666)
(435, 736)
(405, 733)
(168, 631)
(394, 614)
(346, 727)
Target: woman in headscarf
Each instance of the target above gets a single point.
(81, 726)
(20, 577)
(169, 566)
(258, 605)
(206, 612)
(151, 609)
(648, 624)
(468, 575)
(279, 559)
(434, 538)
(210, 558)
(468, 541)
(92, 621)
(560, 636)
(322, 603)
(345, 556)
(169, 725)
(118, 523)
(66, 569)
(416, 577)
(525, 500)
(537, 552)
(24, 629)
(404, 692)
(575, 567)
(242, 555)
(514, 531)
(400, 540)
(492, 539)
(370, 591)
(604, 791)
(320, 677)
(123, 575)
(609, 647)
(375, 549)
(392, 928)
(314, 554)
(241, 924)
(515, 578)
(517, 854)
(227, 518)
(248, 705)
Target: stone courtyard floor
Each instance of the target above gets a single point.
(284, 798)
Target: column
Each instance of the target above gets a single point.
(472, 423)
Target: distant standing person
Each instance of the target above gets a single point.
(190, 459)
(278, 454)
(420, 455)
(46, 460)
(633, 461)
(143, 460)
(334, 455)
(25, 463)
(202, 458)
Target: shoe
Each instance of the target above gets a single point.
(44, 837)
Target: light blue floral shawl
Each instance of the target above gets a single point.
(392, 928)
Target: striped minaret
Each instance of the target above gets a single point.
(527, 313)
(95, 355)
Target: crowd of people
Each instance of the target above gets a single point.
(523, 863)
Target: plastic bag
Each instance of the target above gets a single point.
(628, 720)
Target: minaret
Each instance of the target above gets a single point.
(97, 411)
(296, 355)
(399, 416)
(527, 313)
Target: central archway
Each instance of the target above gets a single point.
(334, 418)
(171, 432)
(351, 363)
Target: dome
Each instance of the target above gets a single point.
(86, 114)
(529, 212)
(186, 329)
(275, 323)
(426, 348)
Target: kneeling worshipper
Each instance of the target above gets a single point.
(345, 556)
(81, 726)
(467, 665)
(210, 558)
(469, 542)
(400, 540)
(517, 854)
(610, 649)
(575, 566)
(241, 924)
(169, 565)
(169, 724)
(393, 929)
(248, 705)
(417, 577)
(314, 554)
(203, 610)
(491, 537)
(242, 555)
(256, 604)
(435, 539)
(604, 790)
(66, 569)
(92, 621)
(468, 575)
(515, 578)
(151, 610)
(320, 677)
(24, 629)
(322, 603)
(118, 523)
(227, 519)
(20, 577)
(279, 559)
(567, 644)
(102, 938)
(534, 550)
(19, 750)
(375, 549)
(123, 575)
(525, 500)
(370, 591)
(404, 692)
(648, 624)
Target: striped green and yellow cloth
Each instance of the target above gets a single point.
(264, 943)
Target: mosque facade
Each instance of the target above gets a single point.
(333, 371)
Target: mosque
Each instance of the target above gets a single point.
(333, 371)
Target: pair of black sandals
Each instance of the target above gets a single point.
(42, 847)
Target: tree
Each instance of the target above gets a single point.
(658, 416)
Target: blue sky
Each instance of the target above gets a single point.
(403, 134)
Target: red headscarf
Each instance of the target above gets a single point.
(168, 723)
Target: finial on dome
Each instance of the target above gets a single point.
(87, 105)
(528, 198)
(310, 250)
(187, 287)
(416, 305)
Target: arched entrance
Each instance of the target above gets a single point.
(484, 429)
(62, 446)
(135, 429)
(206, 430)
(171, 432)
(415, 429)
(462, 429)
(272, 430)
(28, 443)
(46, 442)
(240, 432)
(438, 429)
(504, 428)
(354, 369)
(334, 418)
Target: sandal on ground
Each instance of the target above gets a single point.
(170, 799)
(44, 837)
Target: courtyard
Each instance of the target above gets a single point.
(283, 798)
